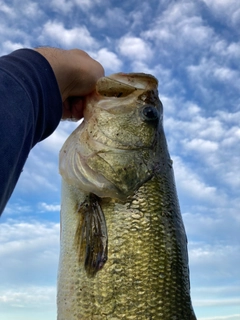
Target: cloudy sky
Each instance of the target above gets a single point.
(193, 48)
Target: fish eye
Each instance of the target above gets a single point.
(150, 113)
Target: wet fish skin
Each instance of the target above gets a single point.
(146, 275)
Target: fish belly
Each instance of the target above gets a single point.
(146, 275)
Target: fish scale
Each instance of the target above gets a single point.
(141, 279)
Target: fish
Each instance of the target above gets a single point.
(123, 245)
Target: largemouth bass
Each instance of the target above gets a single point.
(123, 248)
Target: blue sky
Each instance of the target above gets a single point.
(193, 48)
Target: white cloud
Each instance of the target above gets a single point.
(9, 46)
(225, 74)
(39, 174)
(27, 9)
(67, 7)
(208, 71)
(13, 39)
(113, 18)
(232, 317)
(217, 302)
(22, 230)
(212, 256)
(229, 50)
(30, 9)
(179, 26)
(49, 207)
(215, 284)
(108, 59)
(228, 117)
(214, 265)
(5, 8)
(227, 10)
(191, 184)
(62, 5)
(116, 17)
(211, 225)
(85, 5)
(28, 296)
(28, 302)
(78, 36)
(200, 145)
(135, 48)
(28, 252)
(138, 15)
(56, 140)
(17, 209)
(209, 140)
(98, 21)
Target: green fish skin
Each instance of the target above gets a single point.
(123, 251)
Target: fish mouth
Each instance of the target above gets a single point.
(122, 84)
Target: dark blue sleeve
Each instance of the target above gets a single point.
(30, 110)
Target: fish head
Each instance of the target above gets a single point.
(115, 149)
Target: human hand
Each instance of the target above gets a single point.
(76, 73)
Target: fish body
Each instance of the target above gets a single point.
(123, 245)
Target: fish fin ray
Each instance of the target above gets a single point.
(91, 235)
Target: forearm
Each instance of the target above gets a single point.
(30, 110)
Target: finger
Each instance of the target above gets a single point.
(86, 74)
(73, 108)
(66, 110)
(77, 106)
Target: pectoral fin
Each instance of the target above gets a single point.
(91, 235)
